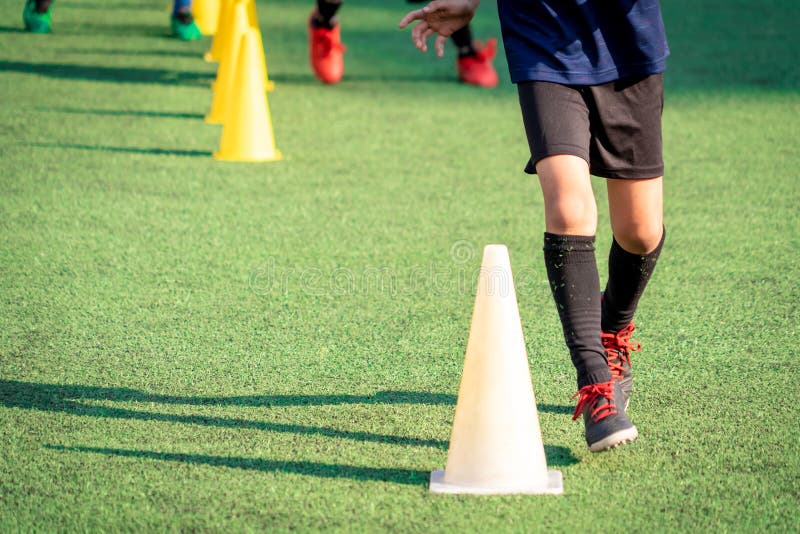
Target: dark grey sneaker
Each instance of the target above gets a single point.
(607, 426)
(618, 347)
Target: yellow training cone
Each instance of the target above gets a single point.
(247, 133)
(262, 64)
(206, 15)
(251, 13)
(496, 445)
(223, 86)
(224, 20)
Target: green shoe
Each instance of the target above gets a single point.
(36, 22)
(184, 28)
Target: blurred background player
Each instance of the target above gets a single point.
(36, 15)
(182, 21)
(37, 18)
(326, 51)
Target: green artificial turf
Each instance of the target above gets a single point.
(191, 345)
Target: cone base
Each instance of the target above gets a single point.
(554, 485)
(221, 157)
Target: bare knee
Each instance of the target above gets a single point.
(571, 215)
(639, 238)
(569, 204)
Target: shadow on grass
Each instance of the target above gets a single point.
(40, 394)
(68, 399)
(127, 113)
(11, 29)
(127, 52)
(556, 456)
(317, 469)
(109, 74)
(130, 150)
(113, 29)
(105, 6)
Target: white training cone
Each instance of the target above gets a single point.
(496, 445)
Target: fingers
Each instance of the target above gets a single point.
(425, 37)
(417, 14)
(440, 42)
(420, 34)
(416, 35)
(422, 31)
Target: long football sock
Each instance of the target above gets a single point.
(628, 275)
(326, 11)
(42, 6)
(463, 40)
(575, 283)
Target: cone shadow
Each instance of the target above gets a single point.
(127, 113)
(400, 476)
(66, 399)
(130, 150)
(106, 6)
(38, 396)
(128, 52)
(559, 456)
(118, 29)
(108, 74)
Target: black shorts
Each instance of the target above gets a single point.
(615, 126)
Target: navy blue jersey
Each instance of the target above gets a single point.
(582, 42)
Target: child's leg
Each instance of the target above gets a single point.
(569, 205)
(637, 223)
(463, 40)
(557, 126)
(326, 11)
(42, 6)
(571, 222)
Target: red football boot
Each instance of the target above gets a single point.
(326, 53)
(478, 69)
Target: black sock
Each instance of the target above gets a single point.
(42, 6)
(575, 283)
(627, 277)
(463, 40)
(326, 10)
(184, 16)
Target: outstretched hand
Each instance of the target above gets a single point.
(441, 17)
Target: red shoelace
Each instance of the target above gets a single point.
(590, 396)
(618, 348)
